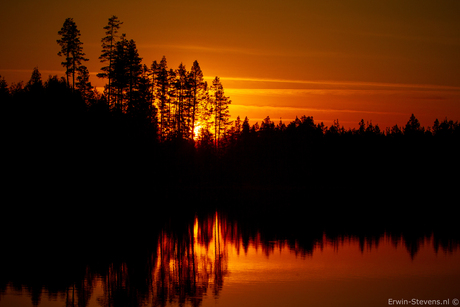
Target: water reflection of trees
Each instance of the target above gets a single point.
(188, 264)
(187, 260)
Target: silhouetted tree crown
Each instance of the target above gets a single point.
(108, 50)
(71, 49)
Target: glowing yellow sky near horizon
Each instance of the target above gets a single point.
(379, 61)
(346, 101)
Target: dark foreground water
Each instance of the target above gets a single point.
(222, 260)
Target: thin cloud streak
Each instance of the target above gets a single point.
(306, 110)
(344, 83)
(302, 92)
(274, 91)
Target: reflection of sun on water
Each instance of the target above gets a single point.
(197, 131)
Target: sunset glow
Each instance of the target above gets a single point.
(379, 62)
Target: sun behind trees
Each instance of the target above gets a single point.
(179, 102)
(176, 100)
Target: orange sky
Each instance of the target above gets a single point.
(349, 60)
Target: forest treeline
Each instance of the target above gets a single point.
(50, 127)
(158, 128)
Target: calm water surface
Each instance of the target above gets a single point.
(213, 262)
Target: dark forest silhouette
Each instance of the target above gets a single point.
(139, 139)
(51, 128)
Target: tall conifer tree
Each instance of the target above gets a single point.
(182, 105)
(197, 93)
(119, 73)
(134, 68)
(127, 69)
(163, 84)
(71, 49)
(220, 110)
(108, 50)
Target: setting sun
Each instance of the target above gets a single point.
(196, 131)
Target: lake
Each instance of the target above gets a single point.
(218, 260)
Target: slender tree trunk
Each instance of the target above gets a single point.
(109, 96)
(194, 99)
(215, 125)
(68, 68)
(74, 68)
